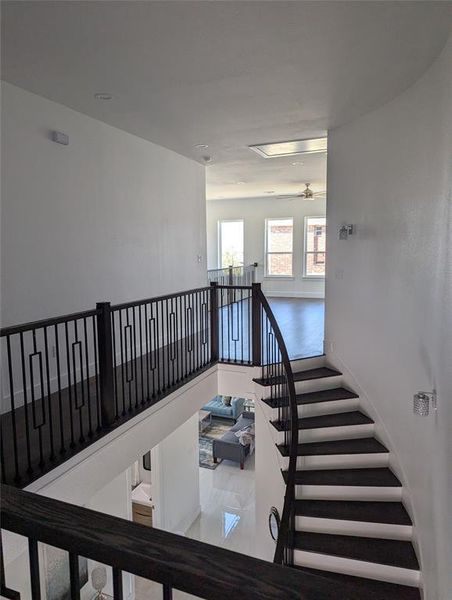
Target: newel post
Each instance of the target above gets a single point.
(256, 328)
(106, 373)
(214, 323)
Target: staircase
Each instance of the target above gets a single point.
(350, 525)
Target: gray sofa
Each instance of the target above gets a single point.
(229, 446)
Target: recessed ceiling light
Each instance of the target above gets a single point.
(289, 148)
(240, 182)
(270, 192)
(200, 146)
(297, 163)
(103, 96)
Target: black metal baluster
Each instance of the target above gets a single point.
(78, 407)
(162, 314)
(123, 379)
(147, 330)
(35, 582)
(157, 349)
(242, 358)
(115, 363)
(34, 401)
(96, 372)
(144, 395)
(134, 354)
(74, 576)
(117, 584)
(24, 383)
(13, 409)
(167, 591)
(49, 395)
(88, 391)
(60, 400)
(183, 337)
(128, 357)
(69, 385)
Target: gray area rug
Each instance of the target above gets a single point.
(216, 430)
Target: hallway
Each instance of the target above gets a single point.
(301, 321)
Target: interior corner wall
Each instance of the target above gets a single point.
(175, 475)
(254, 211)
(389, 290)
(110, 217)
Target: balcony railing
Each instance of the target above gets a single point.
(175, 562)
(243, 275)
(67, 381)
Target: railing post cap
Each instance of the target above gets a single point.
(103, 304)
(256, 284)
(213, 283)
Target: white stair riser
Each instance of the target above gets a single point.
(325, 434)
(357, 528)
(317, 385)
(357, 568)
(305, 364)
(317, 409)
(348, 492)
(339, 461)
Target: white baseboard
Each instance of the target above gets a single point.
(289, 294)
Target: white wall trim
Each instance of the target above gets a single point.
(289, 294)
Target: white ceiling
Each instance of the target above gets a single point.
(227, 74)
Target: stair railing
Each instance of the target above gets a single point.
(278, 377)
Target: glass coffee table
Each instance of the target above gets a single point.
(205, 420)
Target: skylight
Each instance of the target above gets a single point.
(290, 148)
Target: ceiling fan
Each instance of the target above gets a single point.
(306, 194)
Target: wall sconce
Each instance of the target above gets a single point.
(345, 231)
(421, 403)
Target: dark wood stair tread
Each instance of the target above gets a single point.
(334, 420)
(331, 395)
(395, 553)
(376, 477)
(370, 588)
(351, 446)
(369, 512)
(319, 373)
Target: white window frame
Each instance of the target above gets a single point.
(305, 247)
(220, 221)
(267, 274)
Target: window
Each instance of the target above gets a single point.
(230, 243)
(279, 242)
(315, 246)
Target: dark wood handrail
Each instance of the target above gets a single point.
(185, 564)
(12, 329)
(157, 298)
(284, 530)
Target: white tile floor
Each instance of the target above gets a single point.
(227, 507)
(227, 517)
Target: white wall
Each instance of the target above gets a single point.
(109, 217)
(254, 211)
(175, 477)
(389, 290)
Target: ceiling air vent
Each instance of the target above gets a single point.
(278, 149)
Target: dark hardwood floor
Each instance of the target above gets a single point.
(301, 321)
